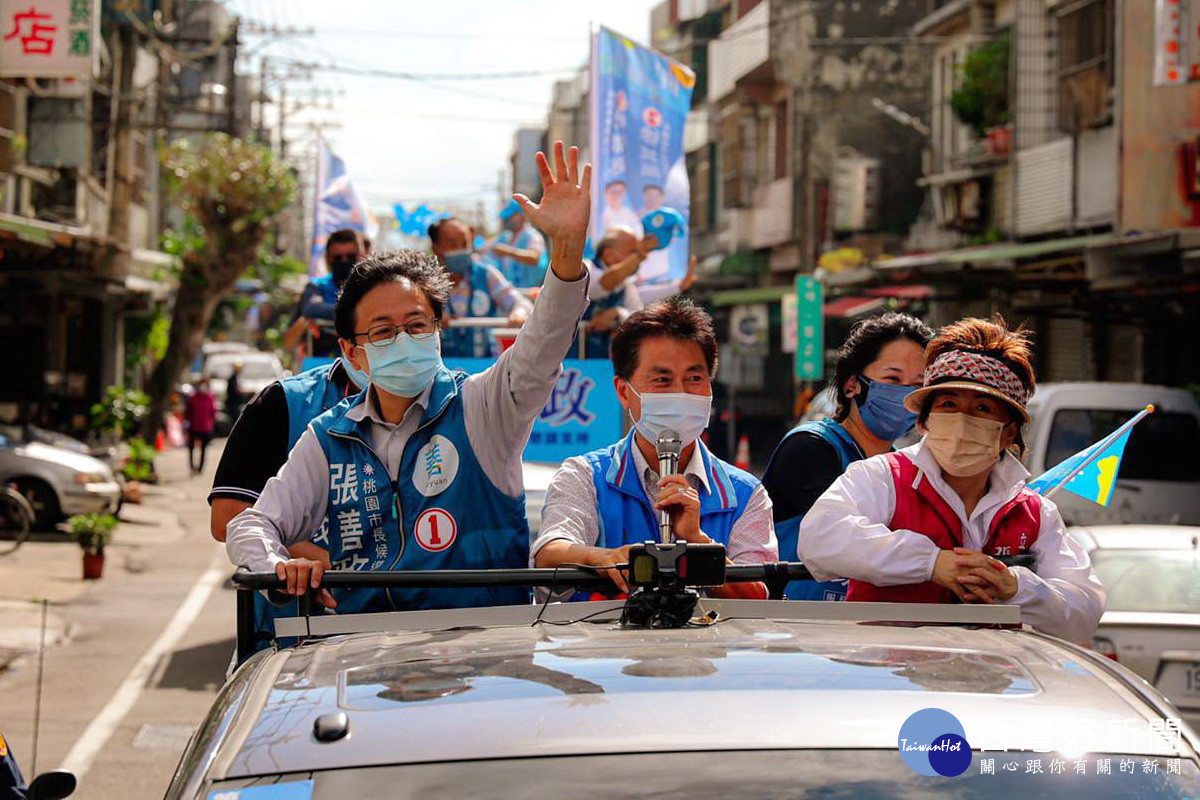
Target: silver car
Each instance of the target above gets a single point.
(775, 699)
(1152, 625)
(57, 482)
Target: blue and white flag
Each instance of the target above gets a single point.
(639, 104)
(337, 205)
(1092, 472)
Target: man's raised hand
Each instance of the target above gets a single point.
(564, 211)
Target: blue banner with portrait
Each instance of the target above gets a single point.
(583, 412)
(639, 104)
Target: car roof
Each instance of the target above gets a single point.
(516, 690)
(1138, 537)
(1082, 394)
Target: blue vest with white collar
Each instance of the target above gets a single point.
(442, 511)
(624, 510)
(472, 342)
(308, 395)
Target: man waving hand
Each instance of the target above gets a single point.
(423, 471)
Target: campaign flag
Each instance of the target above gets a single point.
(639, 104)
(1091, 473)
(338, 204)
(402, 218)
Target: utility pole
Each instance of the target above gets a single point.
(120, 184)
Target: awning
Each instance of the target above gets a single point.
(756, 294)
(852, 306)
(40, 232)
(1004, 254)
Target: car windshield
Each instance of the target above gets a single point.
(843, 774)
(1165, 446)
(1150, 580)
(251, 369)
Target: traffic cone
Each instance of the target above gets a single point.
(742, 459)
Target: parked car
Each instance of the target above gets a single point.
(1159, 481)
(777, 700)
(1152, 625)
(212, 348)
(259, 370)
(57, 482)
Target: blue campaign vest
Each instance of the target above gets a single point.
(523, 276)
(308, 395)
(596, 345)
(467, 342)
(624, 512)
(442, 512)
(788, 530)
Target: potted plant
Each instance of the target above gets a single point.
(140, 464)
(981, 101)
(92, 532)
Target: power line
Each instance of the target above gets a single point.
(375, 72)
(410, 34)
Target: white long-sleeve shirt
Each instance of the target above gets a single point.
(846, 535)
(571, 513)
(499, 406)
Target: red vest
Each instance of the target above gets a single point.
(922, 510)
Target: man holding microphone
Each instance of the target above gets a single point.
(601, 503)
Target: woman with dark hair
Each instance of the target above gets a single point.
(926, 524)
(877, 366)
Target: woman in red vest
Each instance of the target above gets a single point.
(924, 524)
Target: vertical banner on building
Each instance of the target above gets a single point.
(810, 329)
(337, 204)
(49, 38)
(639, 105)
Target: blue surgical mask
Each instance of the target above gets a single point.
(360, 378)
(686, 414)
(459, 261)
(407, 366)
(883, 411)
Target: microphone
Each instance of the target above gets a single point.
(667, 447)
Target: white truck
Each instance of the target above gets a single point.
(1159, 480)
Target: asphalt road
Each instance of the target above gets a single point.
(145, 648)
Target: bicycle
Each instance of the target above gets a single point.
(16, 519)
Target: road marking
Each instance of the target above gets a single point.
(102, 726)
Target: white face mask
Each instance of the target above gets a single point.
(961, 444)
(687, 414)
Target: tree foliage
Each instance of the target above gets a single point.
(229, 189)
(981, 99)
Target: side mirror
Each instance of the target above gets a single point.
(53, 785)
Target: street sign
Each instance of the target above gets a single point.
(748, 328)
(789, 329)
(49, 39)
(1176, 45)
(810, 328)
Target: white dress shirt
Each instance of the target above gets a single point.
(846, 535)
(499, 406)
(571, 512)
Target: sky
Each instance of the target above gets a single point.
(442, 142)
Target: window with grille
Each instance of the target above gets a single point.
(1085, 64)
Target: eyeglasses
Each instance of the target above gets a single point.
(382, 335)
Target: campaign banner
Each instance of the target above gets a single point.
(582, 414)
(338, 204)
(639, 104)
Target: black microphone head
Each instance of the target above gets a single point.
(668, 443)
